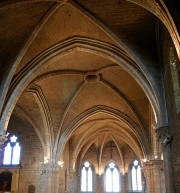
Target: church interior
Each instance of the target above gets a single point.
(89, 96)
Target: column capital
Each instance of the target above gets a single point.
(164, 134)
(155, 162)
(152, 164)
(50, 168)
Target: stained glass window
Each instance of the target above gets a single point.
(112, 178)
(12, 152)
(136, 177)
(86, 178)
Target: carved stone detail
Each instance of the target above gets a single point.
(31, 189)
(164, 134)
(154, 162)
(50, 168)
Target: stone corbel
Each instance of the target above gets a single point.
(164, 135)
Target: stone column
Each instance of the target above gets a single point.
(123, 183)
(166, 139)
(75, 181)
(100, 184)
(51, 174)
(153, 169)
(147, 170)
(3, 139)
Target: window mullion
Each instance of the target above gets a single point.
(86, 179)
(12, 152)
(136, 180)
(112, 180)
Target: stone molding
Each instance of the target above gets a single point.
(153, 164)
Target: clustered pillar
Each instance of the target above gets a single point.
(165, 137)
(153, 170)
(158, 173)
(51, 174)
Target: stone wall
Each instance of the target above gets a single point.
(173, 115)
(31, 156)
(67, 178)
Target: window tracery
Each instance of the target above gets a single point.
(86, 178)
(112, 178)
(12, 152)
(136, 176)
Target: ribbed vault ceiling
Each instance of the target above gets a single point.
(82, 94)
(104, 98)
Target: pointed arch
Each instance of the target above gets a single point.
(75, 123)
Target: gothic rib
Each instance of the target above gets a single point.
(83, 44)
(125, 100)
(24, 49)
(33, 126)
(45, 112)
(81, 86)
(92, 140)
(75, 123)
(120, 153)
(127, 51)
